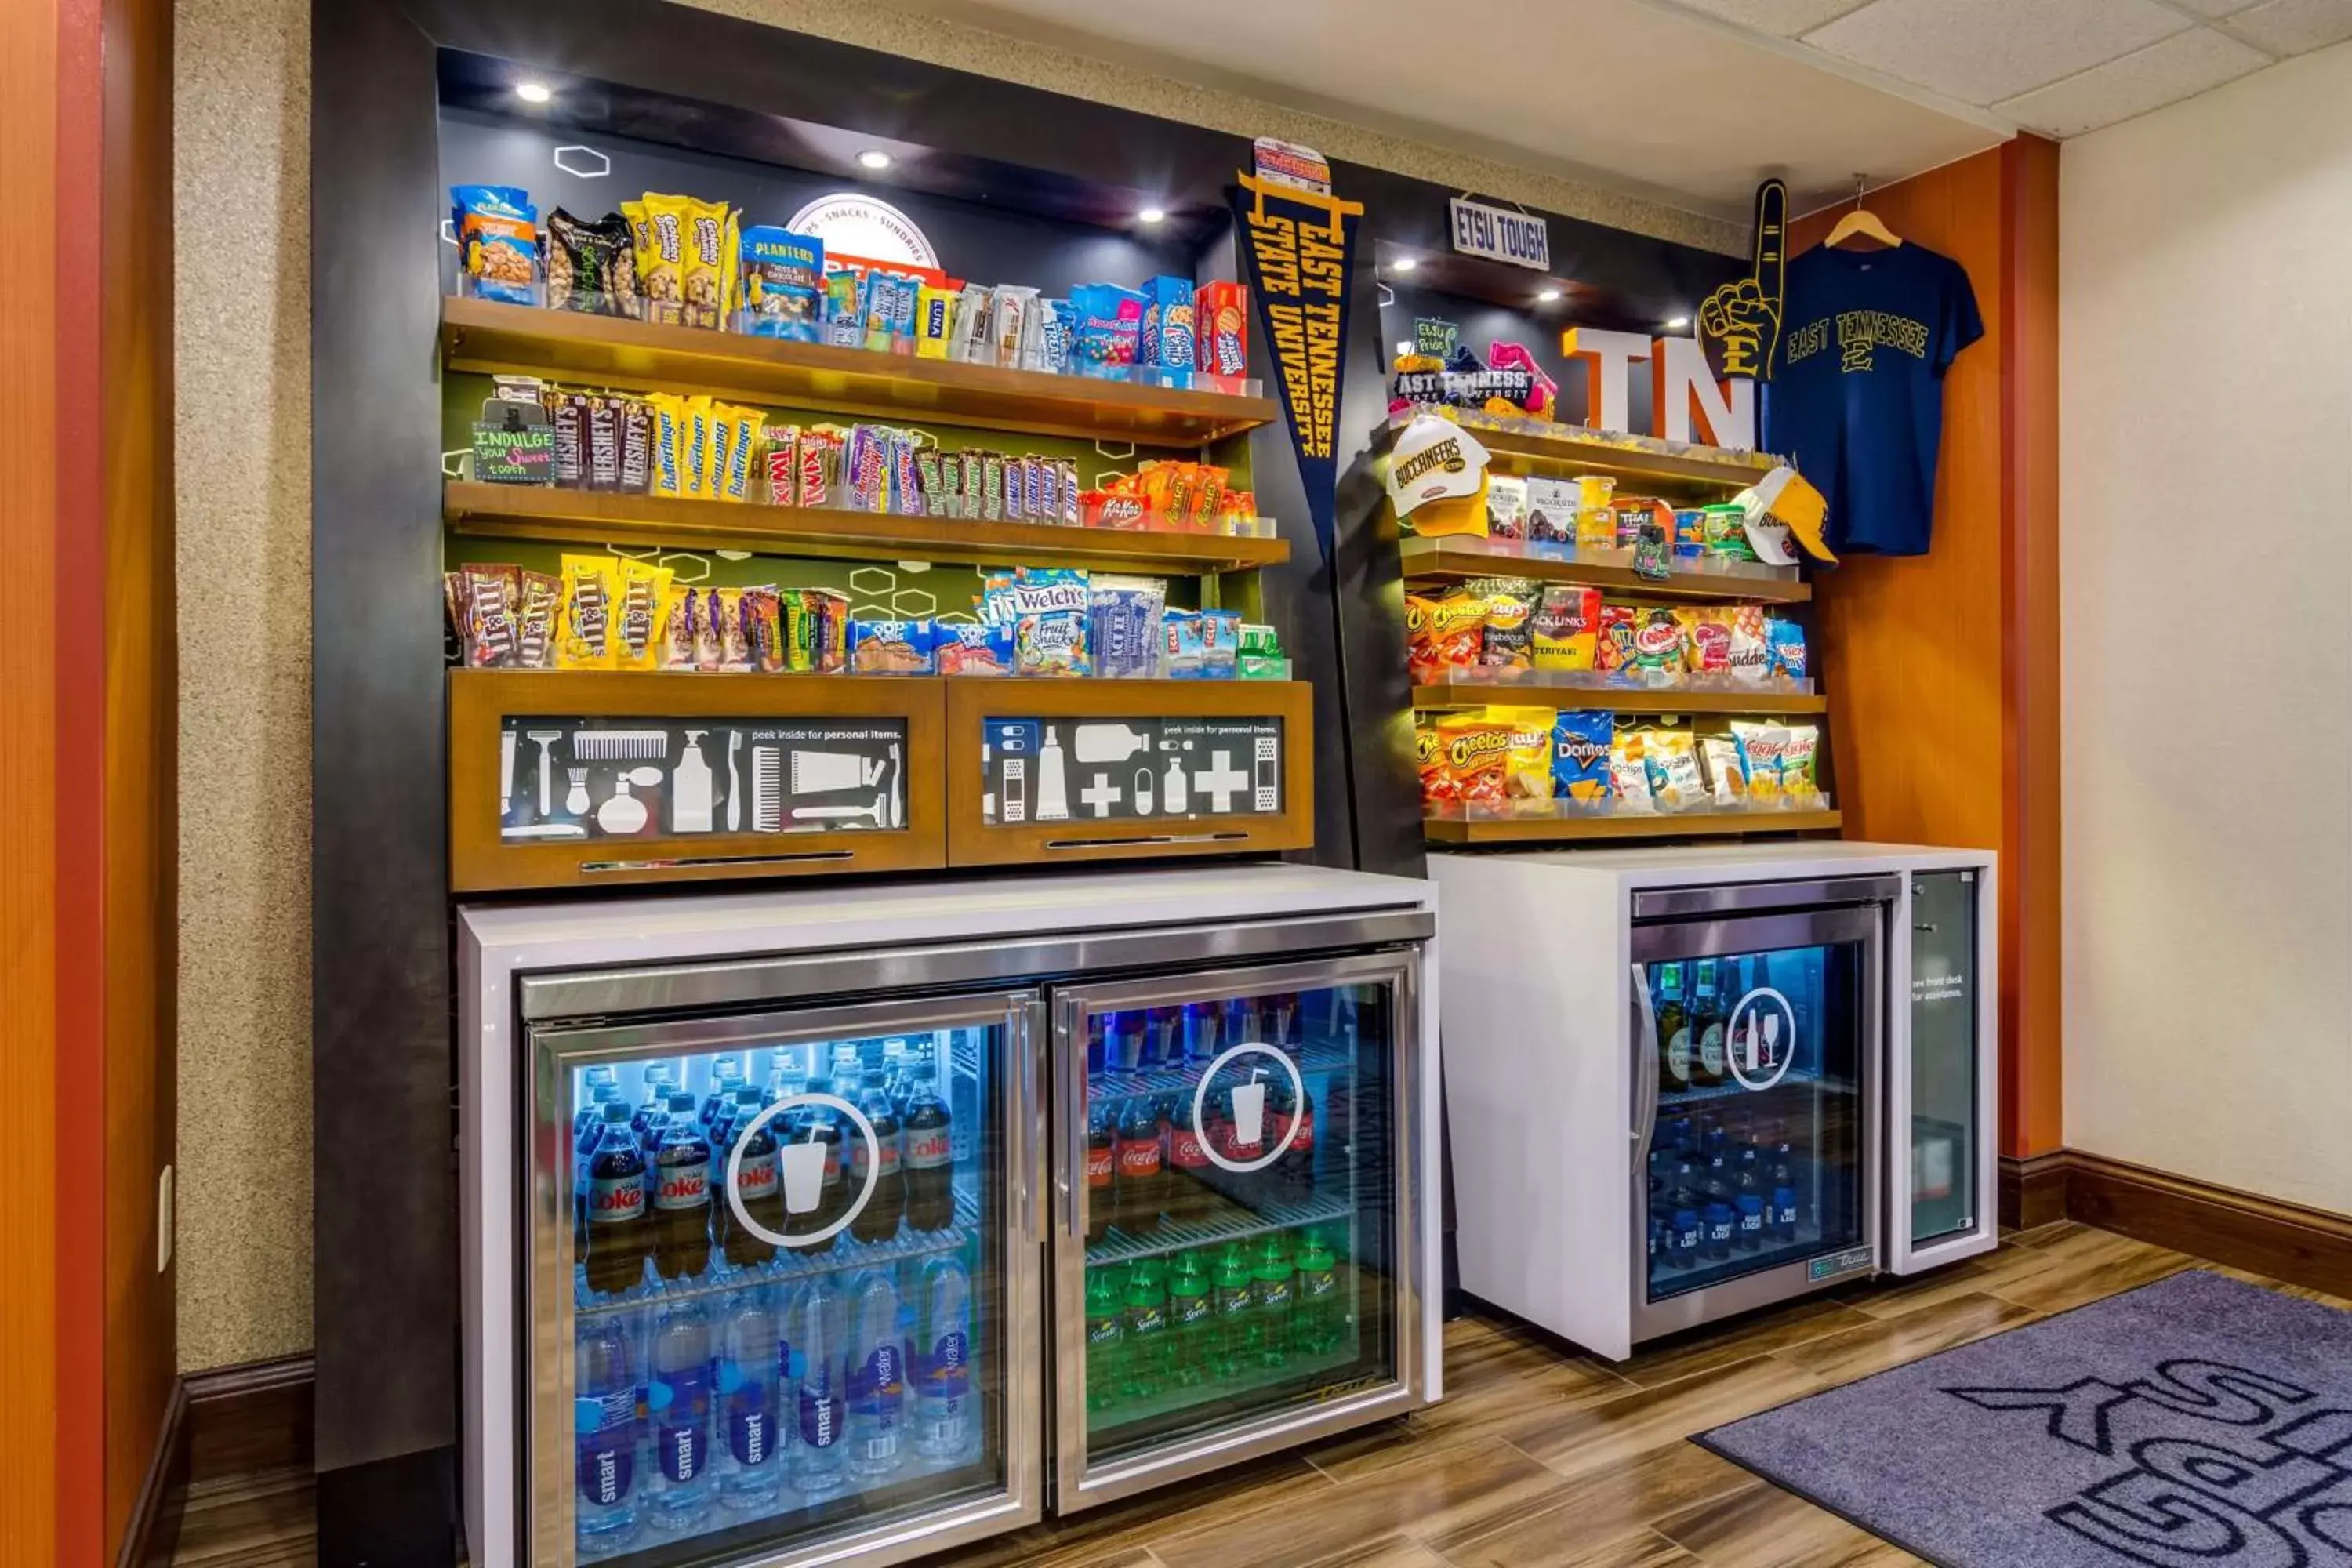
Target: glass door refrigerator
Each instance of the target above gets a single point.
(847, 1226)
(1697, 1081)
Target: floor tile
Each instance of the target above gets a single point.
(1886, 1343)
(1765, 1527)
(1615, 1501)
(1618, 1431)
(1722, 1345)
(2089, 1265)
(1550, 1540)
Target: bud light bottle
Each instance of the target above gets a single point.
(617, 1227)
(1105, 1336)
(750, 1418)
(928, 1165)
(942, 1362)
(879, 1220)
(682, 1194)
(605, 1433)
(877, 1376)
(815, 1329)
(677, 1401)
(1191, 1321)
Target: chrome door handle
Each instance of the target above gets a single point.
(1070, 1047)
(1645, 1069)
(1021, 1061)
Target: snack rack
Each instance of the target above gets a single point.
(1672, 471)
(918, 727)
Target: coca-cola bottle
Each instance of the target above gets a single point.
(1139, 1196)
(617, 1231)
(879, 1220)
(1294, 1173)
(929, 1159)
(682, 1194)
(1187, 1174)
(756, 1182)
(1245, 1146)
(1102, 1168)
(822, 1124)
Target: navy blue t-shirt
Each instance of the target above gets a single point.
(1856, 398)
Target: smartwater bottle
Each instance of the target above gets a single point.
(750, 1418)
(815, 1327)
(605, 1435)
(877, 1376)
(677, 1402)
(944, 1429)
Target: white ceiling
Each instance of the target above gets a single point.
(1690, 102)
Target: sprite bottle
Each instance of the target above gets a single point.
(1275, 1290)
(1146, 1326)
(1233, 1299)
(1317, 1327)
(1191, 1321)
(1106, 1337)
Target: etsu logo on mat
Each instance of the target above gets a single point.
(2257, 1476)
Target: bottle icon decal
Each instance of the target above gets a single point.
(1757, 1059)
(1248, 1119)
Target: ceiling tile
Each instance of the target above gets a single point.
(2291, 26)
(2179, 67)
(1781, 18)
(1982, 51)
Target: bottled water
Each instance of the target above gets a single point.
(747, 1463)
(814, 1327)
(877, 1376)
(605, 1434)
(677, 1402)
(944, 1429)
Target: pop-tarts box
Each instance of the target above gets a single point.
(1168, 326)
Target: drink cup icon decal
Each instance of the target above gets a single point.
(1249, 1108)
(804, 1167)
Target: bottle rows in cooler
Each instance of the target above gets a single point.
(699, 1414)
(651, 1159)
(1735, 1184)
(1706, 1042)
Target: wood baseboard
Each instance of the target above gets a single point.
(230, 1421)
(2306, 1247)
(2032, 1191)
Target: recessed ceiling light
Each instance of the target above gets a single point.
(874, 158)
(1676, 323)
(1547, 296)
(534, 91)
(1152, 215)
(1404, 264)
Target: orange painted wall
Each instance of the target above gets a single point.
(1929, 657)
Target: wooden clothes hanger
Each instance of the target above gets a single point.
(1862, 223)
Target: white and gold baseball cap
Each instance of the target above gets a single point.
(1434, 459)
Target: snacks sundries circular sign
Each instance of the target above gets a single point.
(863, 227)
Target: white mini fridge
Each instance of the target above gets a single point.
(849, 1224)
(1685, 1082)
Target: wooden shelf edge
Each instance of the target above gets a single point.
(1569, 444)
(1571, 830)
(485, 336)
(1614, 701)
(547, 514)
(1442, 558)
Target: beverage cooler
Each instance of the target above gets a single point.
(1707, 1080)
(848, 1226)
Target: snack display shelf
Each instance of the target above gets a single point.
(1618, 699)
(561, 516)
(1564, 830)
(1452, 557)
(1230, 1222)
(847, 1254)
(485, 336)
(1578, 450)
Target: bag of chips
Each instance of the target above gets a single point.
(1750, 656)
(1657, 658)
(1443, 632)
(498, 242)
(1438, 787)
(1614, 653)
(1581, 745)
(1476, 755)
(1760, 747)
(591, 267)
(1671, 757)
(1801, 787)
(1788, 639)
(1706, 641)
(1505, 642)
(1726, 785)
(1526, 764)
(1628, 774)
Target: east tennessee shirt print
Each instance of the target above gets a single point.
(1856, 398)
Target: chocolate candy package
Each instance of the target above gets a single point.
(1507, 506)
(890, 647)
(485, 604)
(1551, 510)
(764, 630)
(591, 267)
(637, 418)
(1123, 616)
(781, 283)
(583, 639)
(972, 647)
(1580, 743)
(639, 620)
(539, 611)
(497, 230)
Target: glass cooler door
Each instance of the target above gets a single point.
(782, 1284)
(1756, 1063)
(1940, 1198)
(1235, 1243)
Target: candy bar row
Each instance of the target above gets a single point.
(678, 261)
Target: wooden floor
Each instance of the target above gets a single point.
(1538, 1456)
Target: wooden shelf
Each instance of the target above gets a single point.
(483, 336)
(1617, 699)
(1579, 829)
(1574, 448)
(567, 516)
(1458, 557)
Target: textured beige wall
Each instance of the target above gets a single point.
(241, 168)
